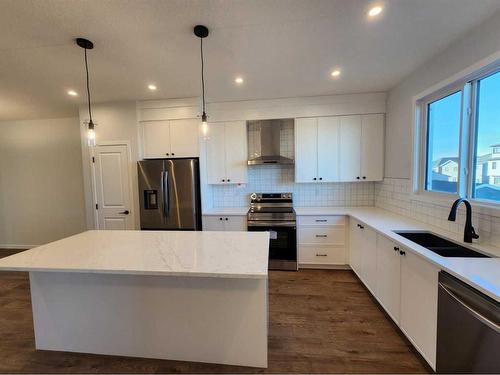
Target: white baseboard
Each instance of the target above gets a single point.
(325, 266)
(10, 246)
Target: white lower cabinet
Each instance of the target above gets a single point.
(419, 298)
(389, 276)
(405, 284)
(225, 223)
(363, 253)
(321, 241)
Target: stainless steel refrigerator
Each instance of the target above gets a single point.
(169, 194)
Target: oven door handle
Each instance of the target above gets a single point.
(271, 224)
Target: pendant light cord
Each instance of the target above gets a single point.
(88, 83)
(202, 74)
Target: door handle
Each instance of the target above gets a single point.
(166, 195)
(126, 212)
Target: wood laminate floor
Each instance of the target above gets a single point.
(321, 321)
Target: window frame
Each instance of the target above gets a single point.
(468, 85)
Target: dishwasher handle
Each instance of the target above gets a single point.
(471, 311)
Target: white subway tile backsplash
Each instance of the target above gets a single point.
(393, 194)
(280, 179)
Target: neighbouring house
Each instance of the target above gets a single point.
(446, 167)
(488, 167)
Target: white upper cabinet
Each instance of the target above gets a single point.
(227, 153)
(316, 149)
(236, 152)
(372, 147)
(156, 138)
(171, 138)
(361, 148)
(350, 148)
(328, 151)
(184, 138)
(306, 150)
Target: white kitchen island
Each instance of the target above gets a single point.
(191, 296)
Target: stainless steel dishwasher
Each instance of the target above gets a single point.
(468, 331)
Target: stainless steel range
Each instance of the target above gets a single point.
(274, 213)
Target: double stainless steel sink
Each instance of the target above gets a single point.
(441, 246)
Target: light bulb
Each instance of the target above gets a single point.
(91, 137)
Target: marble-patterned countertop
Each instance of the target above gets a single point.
(166, 253)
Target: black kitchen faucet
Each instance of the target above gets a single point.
(469, 232)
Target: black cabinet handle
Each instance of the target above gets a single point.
(357, 178)
(321, 235)
(223, 180)
(228, 180)
(361, 227)
(220, 218)
(167, 154)
(321, 255)
(314, 178)
(173, 154)
(402, 252)
(396, 248)
(227, 219)
(126, 212)
(364, 177)
(321, 178)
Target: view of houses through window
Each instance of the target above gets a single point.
(443, 137)
(486, 183)
(443, 142)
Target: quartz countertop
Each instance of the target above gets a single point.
(166, 253)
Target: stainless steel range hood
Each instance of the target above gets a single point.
(265, 139)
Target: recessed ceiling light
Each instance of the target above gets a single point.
(72, 93)
(335, 73)
(238, 80)
(152, 87)
(375, 11)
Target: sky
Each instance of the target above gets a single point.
(444, 120)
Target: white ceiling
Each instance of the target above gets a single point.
(282, 48)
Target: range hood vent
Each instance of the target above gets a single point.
(265, 140)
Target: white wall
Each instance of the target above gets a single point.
(114, 122)
(41, 185)
(478, 44)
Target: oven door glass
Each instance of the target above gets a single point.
(283, 242)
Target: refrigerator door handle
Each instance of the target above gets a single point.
(166, 195)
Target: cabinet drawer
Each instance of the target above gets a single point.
(317, 254)
(322, 234)
(322, 220)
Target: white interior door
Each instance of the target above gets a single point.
(350, 148)
(372, 147)
(306, 150)
(184, 138)
(236, 152)
(112, 187)
(328, 149)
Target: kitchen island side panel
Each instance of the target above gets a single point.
(214, 320)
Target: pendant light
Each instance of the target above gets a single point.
(202, 32)
(87, 44)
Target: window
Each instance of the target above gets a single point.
(487, 138)
(459, 148)
(443, 138)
